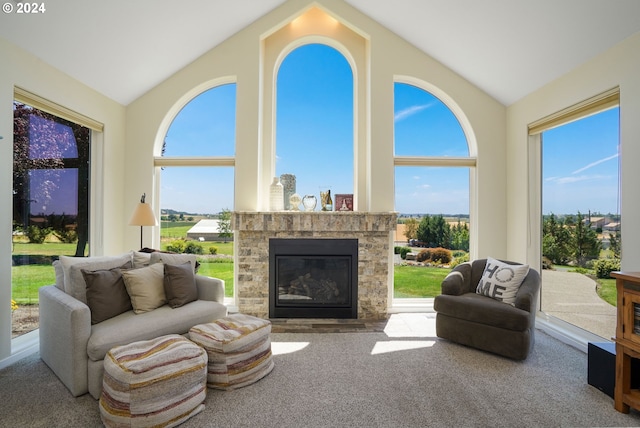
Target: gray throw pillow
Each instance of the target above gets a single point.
(106, 294)
(180, 284)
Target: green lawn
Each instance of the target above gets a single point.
(175, 229)
(417, 281)
(607, 290)
(27, 279)
(45, 249)
(218, 268)
(409, 281)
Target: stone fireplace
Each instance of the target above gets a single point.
(255, 233)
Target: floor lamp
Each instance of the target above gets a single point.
(143, 216)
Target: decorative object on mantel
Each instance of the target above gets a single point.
(309, 202)
(276, 195)
(344, 202)
(294, 202)
(325, 201)
(289, 185)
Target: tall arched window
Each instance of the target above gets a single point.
(432, 187)
(197, 181)
(314, 120)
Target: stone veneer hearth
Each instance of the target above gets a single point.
(375, 251)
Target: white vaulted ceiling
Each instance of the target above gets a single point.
(508, 48)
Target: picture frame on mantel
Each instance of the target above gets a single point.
(343, 202)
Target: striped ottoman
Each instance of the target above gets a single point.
(239, 349)
(159, 382)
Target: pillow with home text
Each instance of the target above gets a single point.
(501, 281)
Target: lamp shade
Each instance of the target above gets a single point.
(143, 216)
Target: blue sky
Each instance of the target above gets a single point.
(314, 141)
(580, 166)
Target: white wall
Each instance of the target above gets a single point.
(19, 68)
(239, 57)
(134, 134)
(619, 66)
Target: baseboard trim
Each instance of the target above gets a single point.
(22, 347)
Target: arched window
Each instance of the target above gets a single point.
(432, 184)
(197, 181)
(314, 120)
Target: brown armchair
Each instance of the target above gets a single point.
(481, 322)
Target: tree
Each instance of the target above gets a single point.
(410, 228)
(224, 224)
(434, 231)
(460, 236)
(614, 243)
(585, 242)
(556, 240)
(423, 232)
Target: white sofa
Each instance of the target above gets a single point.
(74, 348)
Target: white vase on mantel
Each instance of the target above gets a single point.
(276, 195)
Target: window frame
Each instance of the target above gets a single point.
(447, 161)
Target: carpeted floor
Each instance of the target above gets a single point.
(396, 378)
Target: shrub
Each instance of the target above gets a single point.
(193, 248)
(67, 236)
(459, 259)
(176, 246)
(424, 255)
(404, 252)
(604, 267)
(36, 234)
(213, 250)
(441, 255)
(435, 255)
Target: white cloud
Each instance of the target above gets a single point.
(592, 164)
(572, 179)
(410, 111)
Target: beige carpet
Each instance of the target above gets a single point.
(402, 377)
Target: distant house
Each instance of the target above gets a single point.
(205, 230)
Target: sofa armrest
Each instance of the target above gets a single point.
(457, 282)
(65, 327)
(209, 288)
(527, 296)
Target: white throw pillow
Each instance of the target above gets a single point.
(501, 281)
(145, 287)
(141, 259)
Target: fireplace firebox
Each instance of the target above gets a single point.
(313, 278)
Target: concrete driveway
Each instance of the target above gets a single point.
(572, 297)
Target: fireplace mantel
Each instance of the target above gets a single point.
(374, 232)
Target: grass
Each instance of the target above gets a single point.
(27, 279)
(409, 281)
(417, 281)
(218, 268)
(607, 290)
(45, 249)
(175, 229)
